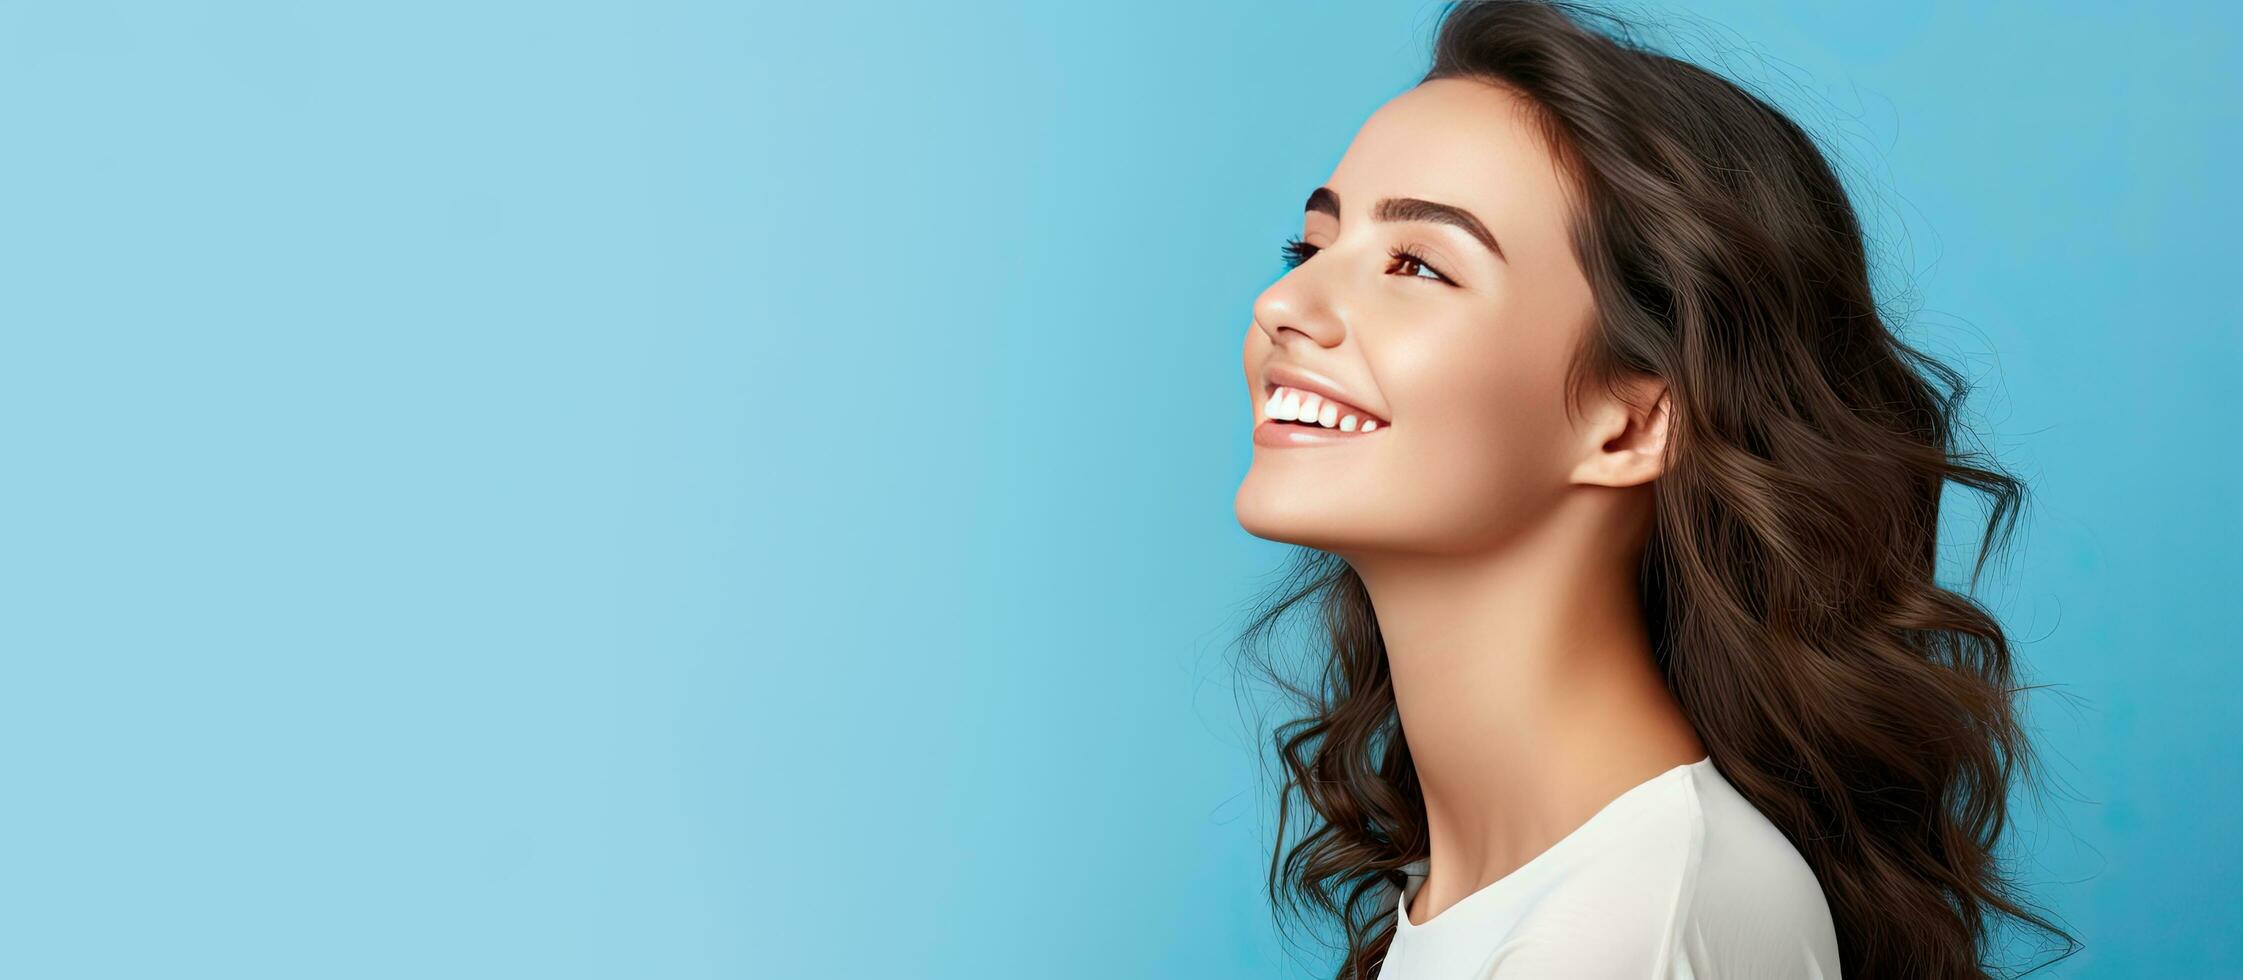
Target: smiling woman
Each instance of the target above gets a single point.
(1618, 502)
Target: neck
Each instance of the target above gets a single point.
(1526, 689)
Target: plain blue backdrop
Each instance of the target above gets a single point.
(693, 490)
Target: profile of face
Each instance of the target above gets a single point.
(1436, 298)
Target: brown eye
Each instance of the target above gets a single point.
(1403, 254)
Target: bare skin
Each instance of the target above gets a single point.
(1498, 539)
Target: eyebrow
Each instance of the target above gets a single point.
(1411, 209)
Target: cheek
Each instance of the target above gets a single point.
(1484, 436)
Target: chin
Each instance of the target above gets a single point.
(1305, 519)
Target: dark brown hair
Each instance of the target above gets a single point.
(1789, 581)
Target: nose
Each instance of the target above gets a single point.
(1300, 304)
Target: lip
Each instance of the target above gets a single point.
(1286, 375)
(1281, 435)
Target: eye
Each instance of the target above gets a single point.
(1402, 253)
(1297, 251)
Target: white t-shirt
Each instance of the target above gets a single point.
(1679, 878)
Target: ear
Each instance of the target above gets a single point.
(1624, 438)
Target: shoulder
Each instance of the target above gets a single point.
(1703, 885)
(1755, 907)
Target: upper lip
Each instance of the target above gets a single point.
(1293, 376)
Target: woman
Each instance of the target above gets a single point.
(1619, 503)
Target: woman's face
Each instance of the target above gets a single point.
(1463, 354)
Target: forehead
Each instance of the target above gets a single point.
(1458, 141)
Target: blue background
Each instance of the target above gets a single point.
(700, 490)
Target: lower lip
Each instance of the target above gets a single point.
(1271, 432)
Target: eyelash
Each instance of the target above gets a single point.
(1297, 251)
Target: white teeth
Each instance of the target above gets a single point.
(1293, 405)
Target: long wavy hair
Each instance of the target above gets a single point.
(1789, 579)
